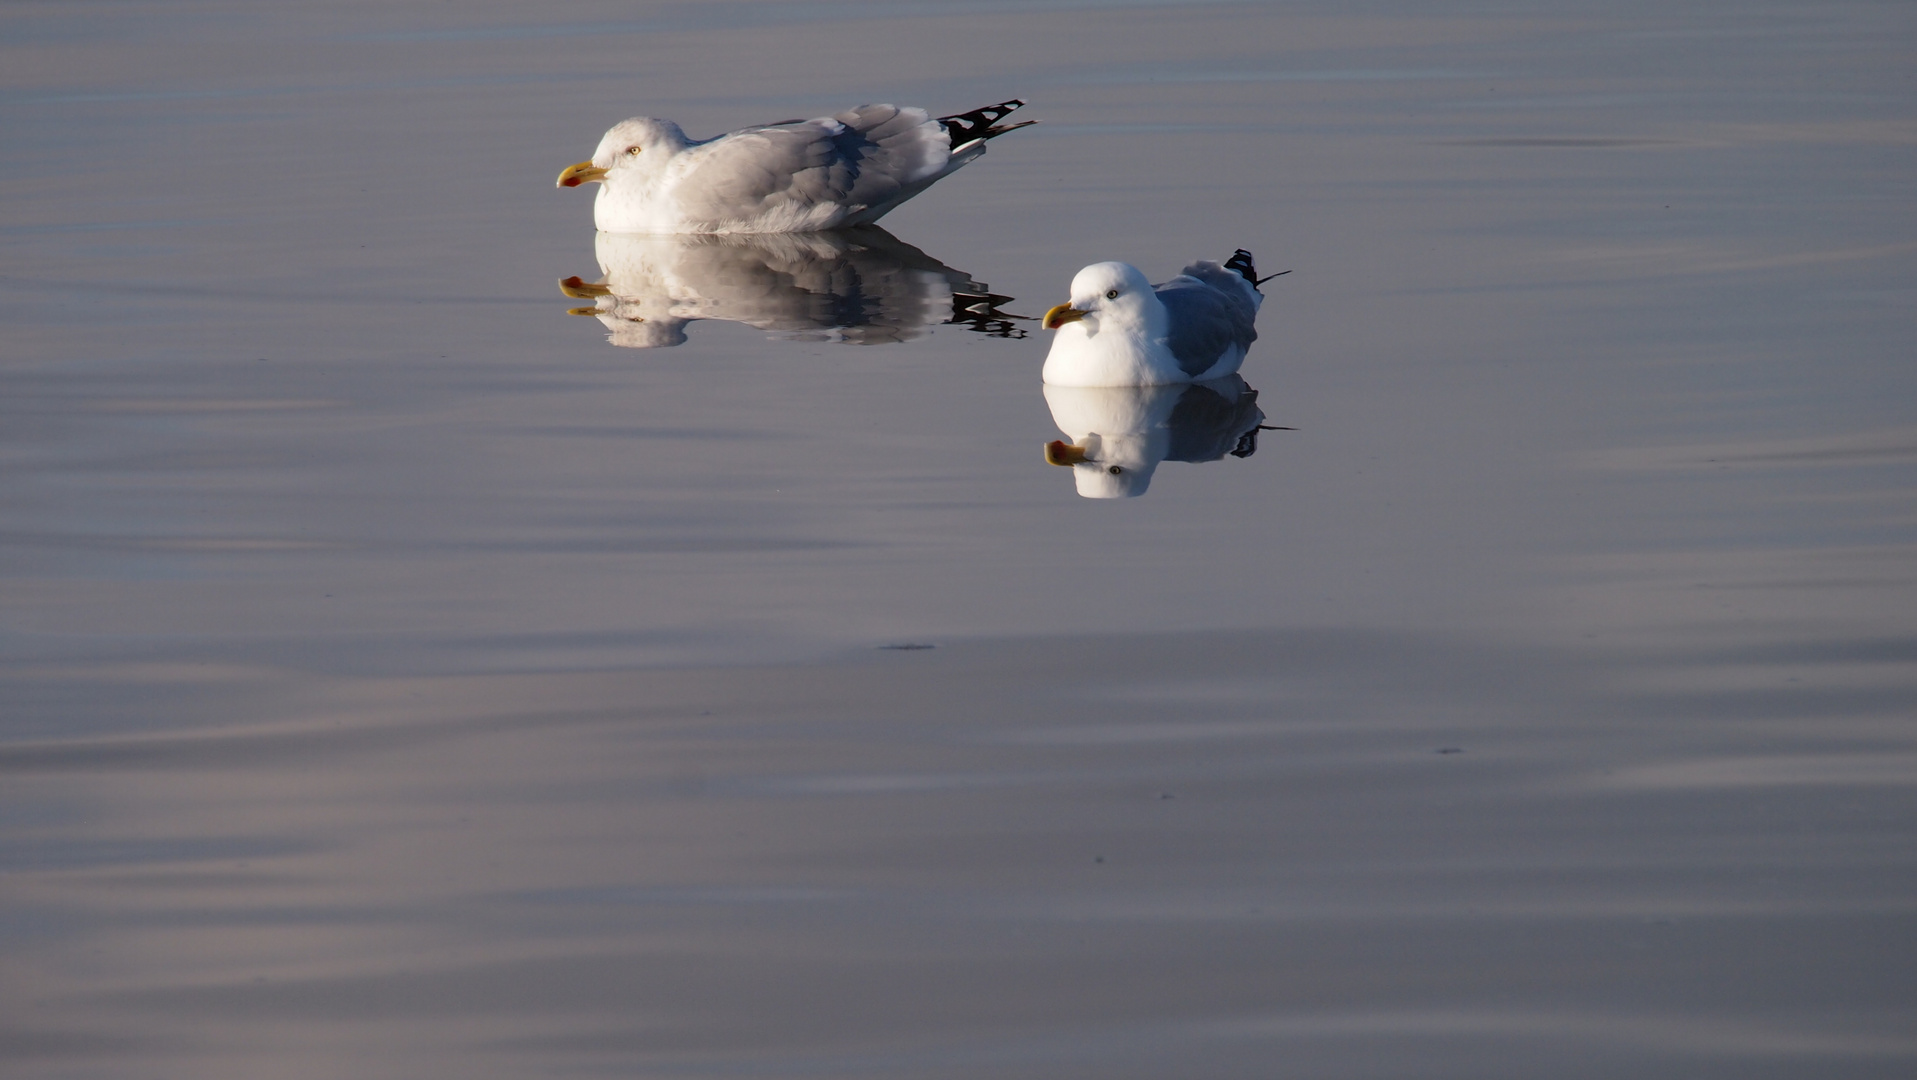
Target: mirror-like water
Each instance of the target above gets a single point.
(401, 676)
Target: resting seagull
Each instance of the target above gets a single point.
(1121, 330)
(834, 172)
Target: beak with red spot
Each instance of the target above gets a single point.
(581, 289)
(1062, 314)
(583, 173)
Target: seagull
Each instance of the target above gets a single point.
(1121, 330)
(834, 172)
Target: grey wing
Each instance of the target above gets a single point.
(861, 157)
(1205, 323)
(1231, 284)
(888, 148)
(1210, 419)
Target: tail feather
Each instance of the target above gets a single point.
(982, 123)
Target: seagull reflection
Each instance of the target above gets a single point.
(863, 286)
(1119, 434)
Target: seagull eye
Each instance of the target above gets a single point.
(1111, 294)
(633, 151)
(1114, 470)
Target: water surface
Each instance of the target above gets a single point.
(404, 677)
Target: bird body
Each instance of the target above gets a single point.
(833, 172)
(1121, 330)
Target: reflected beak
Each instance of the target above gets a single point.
(1061, 315)
(583, 173)
(580, 290)
(1058, 451)
(598, 311)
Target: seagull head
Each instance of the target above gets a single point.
(638, 147)
(1110, 296)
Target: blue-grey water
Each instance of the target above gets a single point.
(403, 677)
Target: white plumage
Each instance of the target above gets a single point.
(833, 172)
(1121, 330)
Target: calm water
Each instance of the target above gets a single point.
(403, 677)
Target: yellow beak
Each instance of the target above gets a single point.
(583, 173)
(1060, 452)
(1061, 315)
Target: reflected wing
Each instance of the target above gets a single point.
(1211, 419)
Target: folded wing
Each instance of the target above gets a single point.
(862, 158)
(1211, 314)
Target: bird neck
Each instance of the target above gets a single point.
(1148, 320)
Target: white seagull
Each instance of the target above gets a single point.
(793, 176)
(1121, 330)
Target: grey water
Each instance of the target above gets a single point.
(403, 676)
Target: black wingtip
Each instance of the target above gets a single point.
(1242, 262)
(983, 123)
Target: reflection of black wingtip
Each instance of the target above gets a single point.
(979, 312)
(982, 123)
(1248, 442)
(982, 303)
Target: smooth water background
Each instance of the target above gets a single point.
(400, 680)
